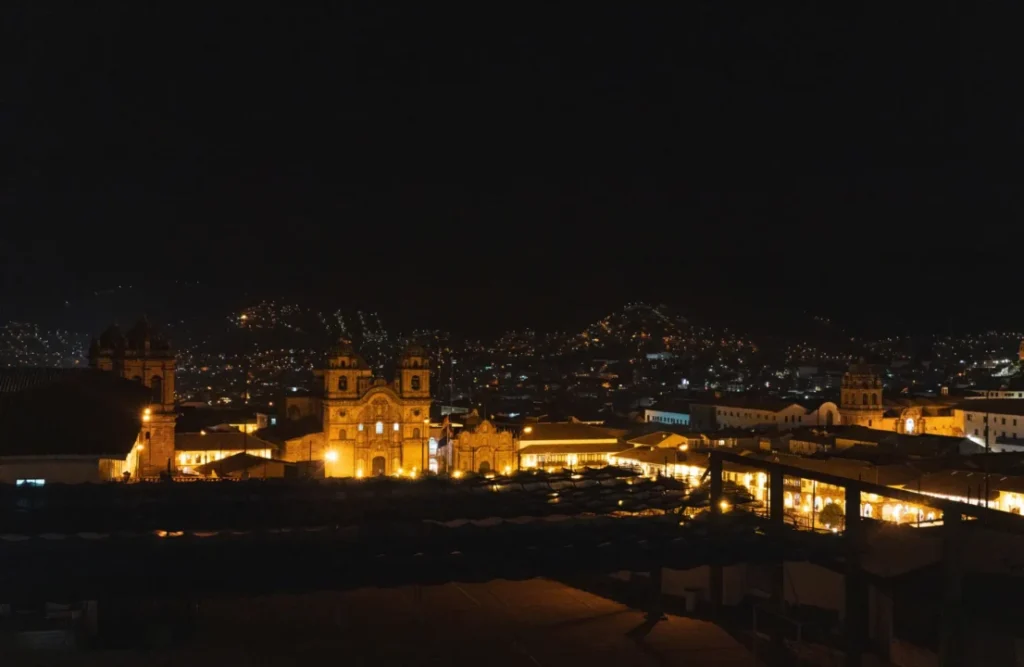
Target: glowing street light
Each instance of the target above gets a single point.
(331, 456)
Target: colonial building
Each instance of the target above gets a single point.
(70, 426)
(761, 412)
(567, 445)
(860, 402)
(145, 357)
(997, 423)
(481, 447)
(371, 426)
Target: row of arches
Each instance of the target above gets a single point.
(156, 383)
(865, 399)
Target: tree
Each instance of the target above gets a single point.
(832, 516)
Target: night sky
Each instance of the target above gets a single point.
(491, 169)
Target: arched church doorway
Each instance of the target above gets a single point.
(378, 466)
(485, 468)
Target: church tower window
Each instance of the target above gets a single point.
(380, 428)
(415, 383)
(343, 383)
(156, 383)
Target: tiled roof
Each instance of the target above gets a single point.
(221, 440)
(233, 464)
(999, 406)
(567, 431)
(290, 429)
(70, 413)
(653, 439)
(13, 380)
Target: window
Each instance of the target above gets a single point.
(156, 383)
(380, 428)
(415, 433)
(874, 399)
(343, 383)
(415, 382)
(1004, 421)
(342, 435)
(396, 426)
(970, 417)
(30, 482)
(864, 399)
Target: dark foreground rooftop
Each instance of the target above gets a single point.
(528, 623)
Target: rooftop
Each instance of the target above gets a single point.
(70, 413)
(289, 429)
(512, 623)
(219, 440)
(567, 431)
(999, 406)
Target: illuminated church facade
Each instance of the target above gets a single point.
(371, 426)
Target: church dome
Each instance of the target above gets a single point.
(112, 338)
(415, 350)
(343, 348)
(345, 351)
(144, 336)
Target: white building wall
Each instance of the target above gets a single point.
(665, 417)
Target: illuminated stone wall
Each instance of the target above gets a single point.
(485, 447)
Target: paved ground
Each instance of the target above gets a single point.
(536, 623)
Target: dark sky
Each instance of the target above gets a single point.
(534, 166)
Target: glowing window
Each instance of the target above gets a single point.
(396, 426)
(380, 428)
(360, 427)
(910, 425)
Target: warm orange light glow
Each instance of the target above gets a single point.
(457, 474)
(139, 447)
(147, 411)
(145, 418)
(528, 429)
(331, 456)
